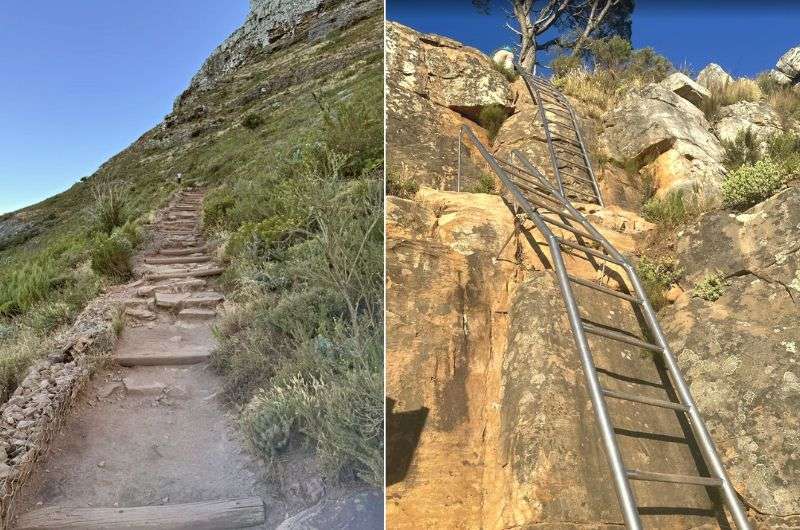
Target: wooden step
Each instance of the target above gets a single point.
(185, 273)
(182, 251)
(210, 515)
(178, 259)
(161, 358)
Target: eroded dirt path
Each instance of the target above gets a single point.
(151, 430)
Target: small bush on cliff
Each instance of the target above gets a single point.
(658, 275)
(711, 287)
(253, 121)
(400, 186)
(485, 184)
(671, 210)
(744, 149)
(751, 184)
(785, 101)
(491, 118)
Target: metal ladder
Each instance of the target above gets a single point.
(543, 204)
(571, 165)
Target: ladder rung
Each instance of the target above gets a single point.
(635, 474)
(580, 192)
(564, 113)
(576, 176)
(560, 213)
(537, 192)
(621, 337)
(604, 289)
(568, 141)
(646, 400)
(593, 252)
(574, 152)
(572, 229)
(568, 165)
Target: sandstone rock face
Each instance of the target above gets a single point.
(713, 75)
(740, 353)
(686, 88)
(655, 124)
(490, 425)
(274, 23)
(434, 85)
(757, 116)
(789, 65)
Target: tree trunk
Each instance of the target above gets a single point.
(527, 36)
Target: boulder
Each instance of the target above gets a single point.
(713, 75)
(434, 86)
(686, 88)
(656, 127)
(740, 352)
(757, 116)
(789, 64)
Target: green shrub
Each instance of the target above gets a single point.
(711, 287)
(616, 54)
(216, 207)
(46, 316)
(744, 149)
(485, 184)
(27, 284)
(110, 209)
(783, 146)
(253, 121)
(111, 256)
(405, 188)
(563, 65)
(751, 184)
(491, 117)
(671, 210)
(257, 238)
(354, 130)
(658, 275)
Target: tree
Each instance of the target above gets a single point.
(579, 20)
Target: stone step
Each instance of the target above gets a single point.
(184, 273)
(137, 303)
(178, 259)
(182, 251)
(188, 300)
(197, 314)
(140, 314)
(185, 208)
(181, 286)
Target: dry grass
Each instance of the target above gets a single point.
(724, 94)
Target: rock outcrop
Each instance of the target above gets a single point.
(686, 88)
(758, 116)
(434, 85)
(13, 230)
(656, 127)
(273, 24)
(740, 353)
(787, 69)
(713, 75)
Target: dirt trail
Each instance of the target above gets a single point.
(151, 430)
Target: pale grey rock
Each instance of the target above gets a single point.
(713, 75)
(789, 64)
(692, 92)
(757, 116)
(653, 121)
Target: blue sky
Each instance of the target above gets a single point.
(81, 80)
(745, 37)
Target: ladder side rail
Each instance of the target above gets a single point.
(625, 494)
(596, 187)
(545, 125)
(698, 425)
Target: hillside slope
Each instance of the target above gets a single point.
(282, 129)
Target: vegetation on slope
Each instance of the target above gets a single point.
(290, 147)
